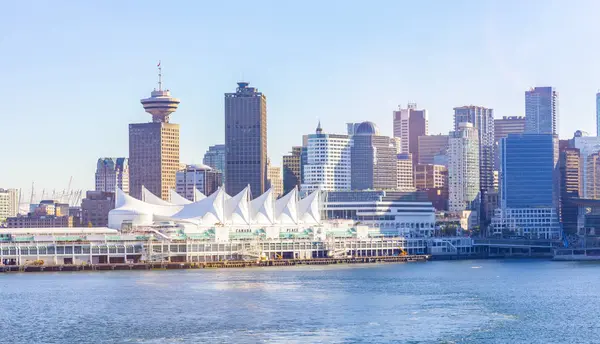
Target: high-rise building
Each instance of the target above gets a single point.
(405, 173)
(292, 169)
(374, 159)
(508, 125)
(463, 169)
(409, 124)
(112, 173)
(587, 145)
(9, 203)
(482, 120)
(430, 146)
(245, 140)
(351, 128)
(154, 146)
(430, 176)
(529, 175)
(95, 208)
(541, 111)
(215, 158)
(592, 171)
(197, 177)
(274, 180)
(570, 187)
(529, 187)
(598, 114)
(328, 162)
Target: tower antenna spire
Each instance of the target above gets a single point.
(159, 76)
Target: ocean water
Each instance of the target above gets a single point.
(491, 301)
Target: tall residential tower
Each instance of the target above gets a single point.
(245, 140)
(328, 162)
(154, 146)
(482, 120)
(409, 124)
(112, 173)
(541, 111)
(463, 169)
(374, 159)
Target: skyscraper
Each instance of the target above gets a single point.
(328, 162)
(430, 177)
(274, 180)
(541, 111)
(215, 158)
(508, 125)
(587, 145)
(529, 171)
(592, 169)
(292, 169)
(529, 187)
(245, 140)
(374, 159)
(502, 127)
(463, 169)
(430, 146)
(482, 120)
(409, 124)
(351, 128)
(598, 114)
(405, 176)
(112, 173)
(570, 187)
(154, 146)
(197, 177)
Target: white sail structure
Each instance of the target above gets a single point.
(135, 211)
(237, 208)
(286, 211)
(198, 196)
(261, 209)
(308, 209)
(177, 199)
(151, 198)
(207, 211)
(218, 209)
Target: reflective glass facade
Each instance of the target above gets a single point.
(529, 171)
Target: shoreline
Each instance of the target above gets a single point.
(212, 265)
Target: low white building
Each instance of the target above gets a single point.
(533, 223)
(392, 212)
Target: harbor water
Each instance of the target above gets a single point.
(479, 301)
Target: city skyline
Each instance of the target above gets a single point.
(121, 65)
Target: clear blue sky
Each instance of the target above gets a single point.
(73, 72)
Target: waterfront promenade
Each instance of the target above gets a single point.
(216, 264)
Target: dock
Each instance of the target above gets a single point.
(213, 265)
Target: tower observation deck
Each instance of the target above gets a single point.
(160, 104)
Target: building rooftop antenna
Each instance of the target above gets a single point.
(159, 76)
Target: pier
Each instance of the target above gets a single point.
(213, 264)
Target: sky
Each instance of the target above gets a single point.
(72, 73)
